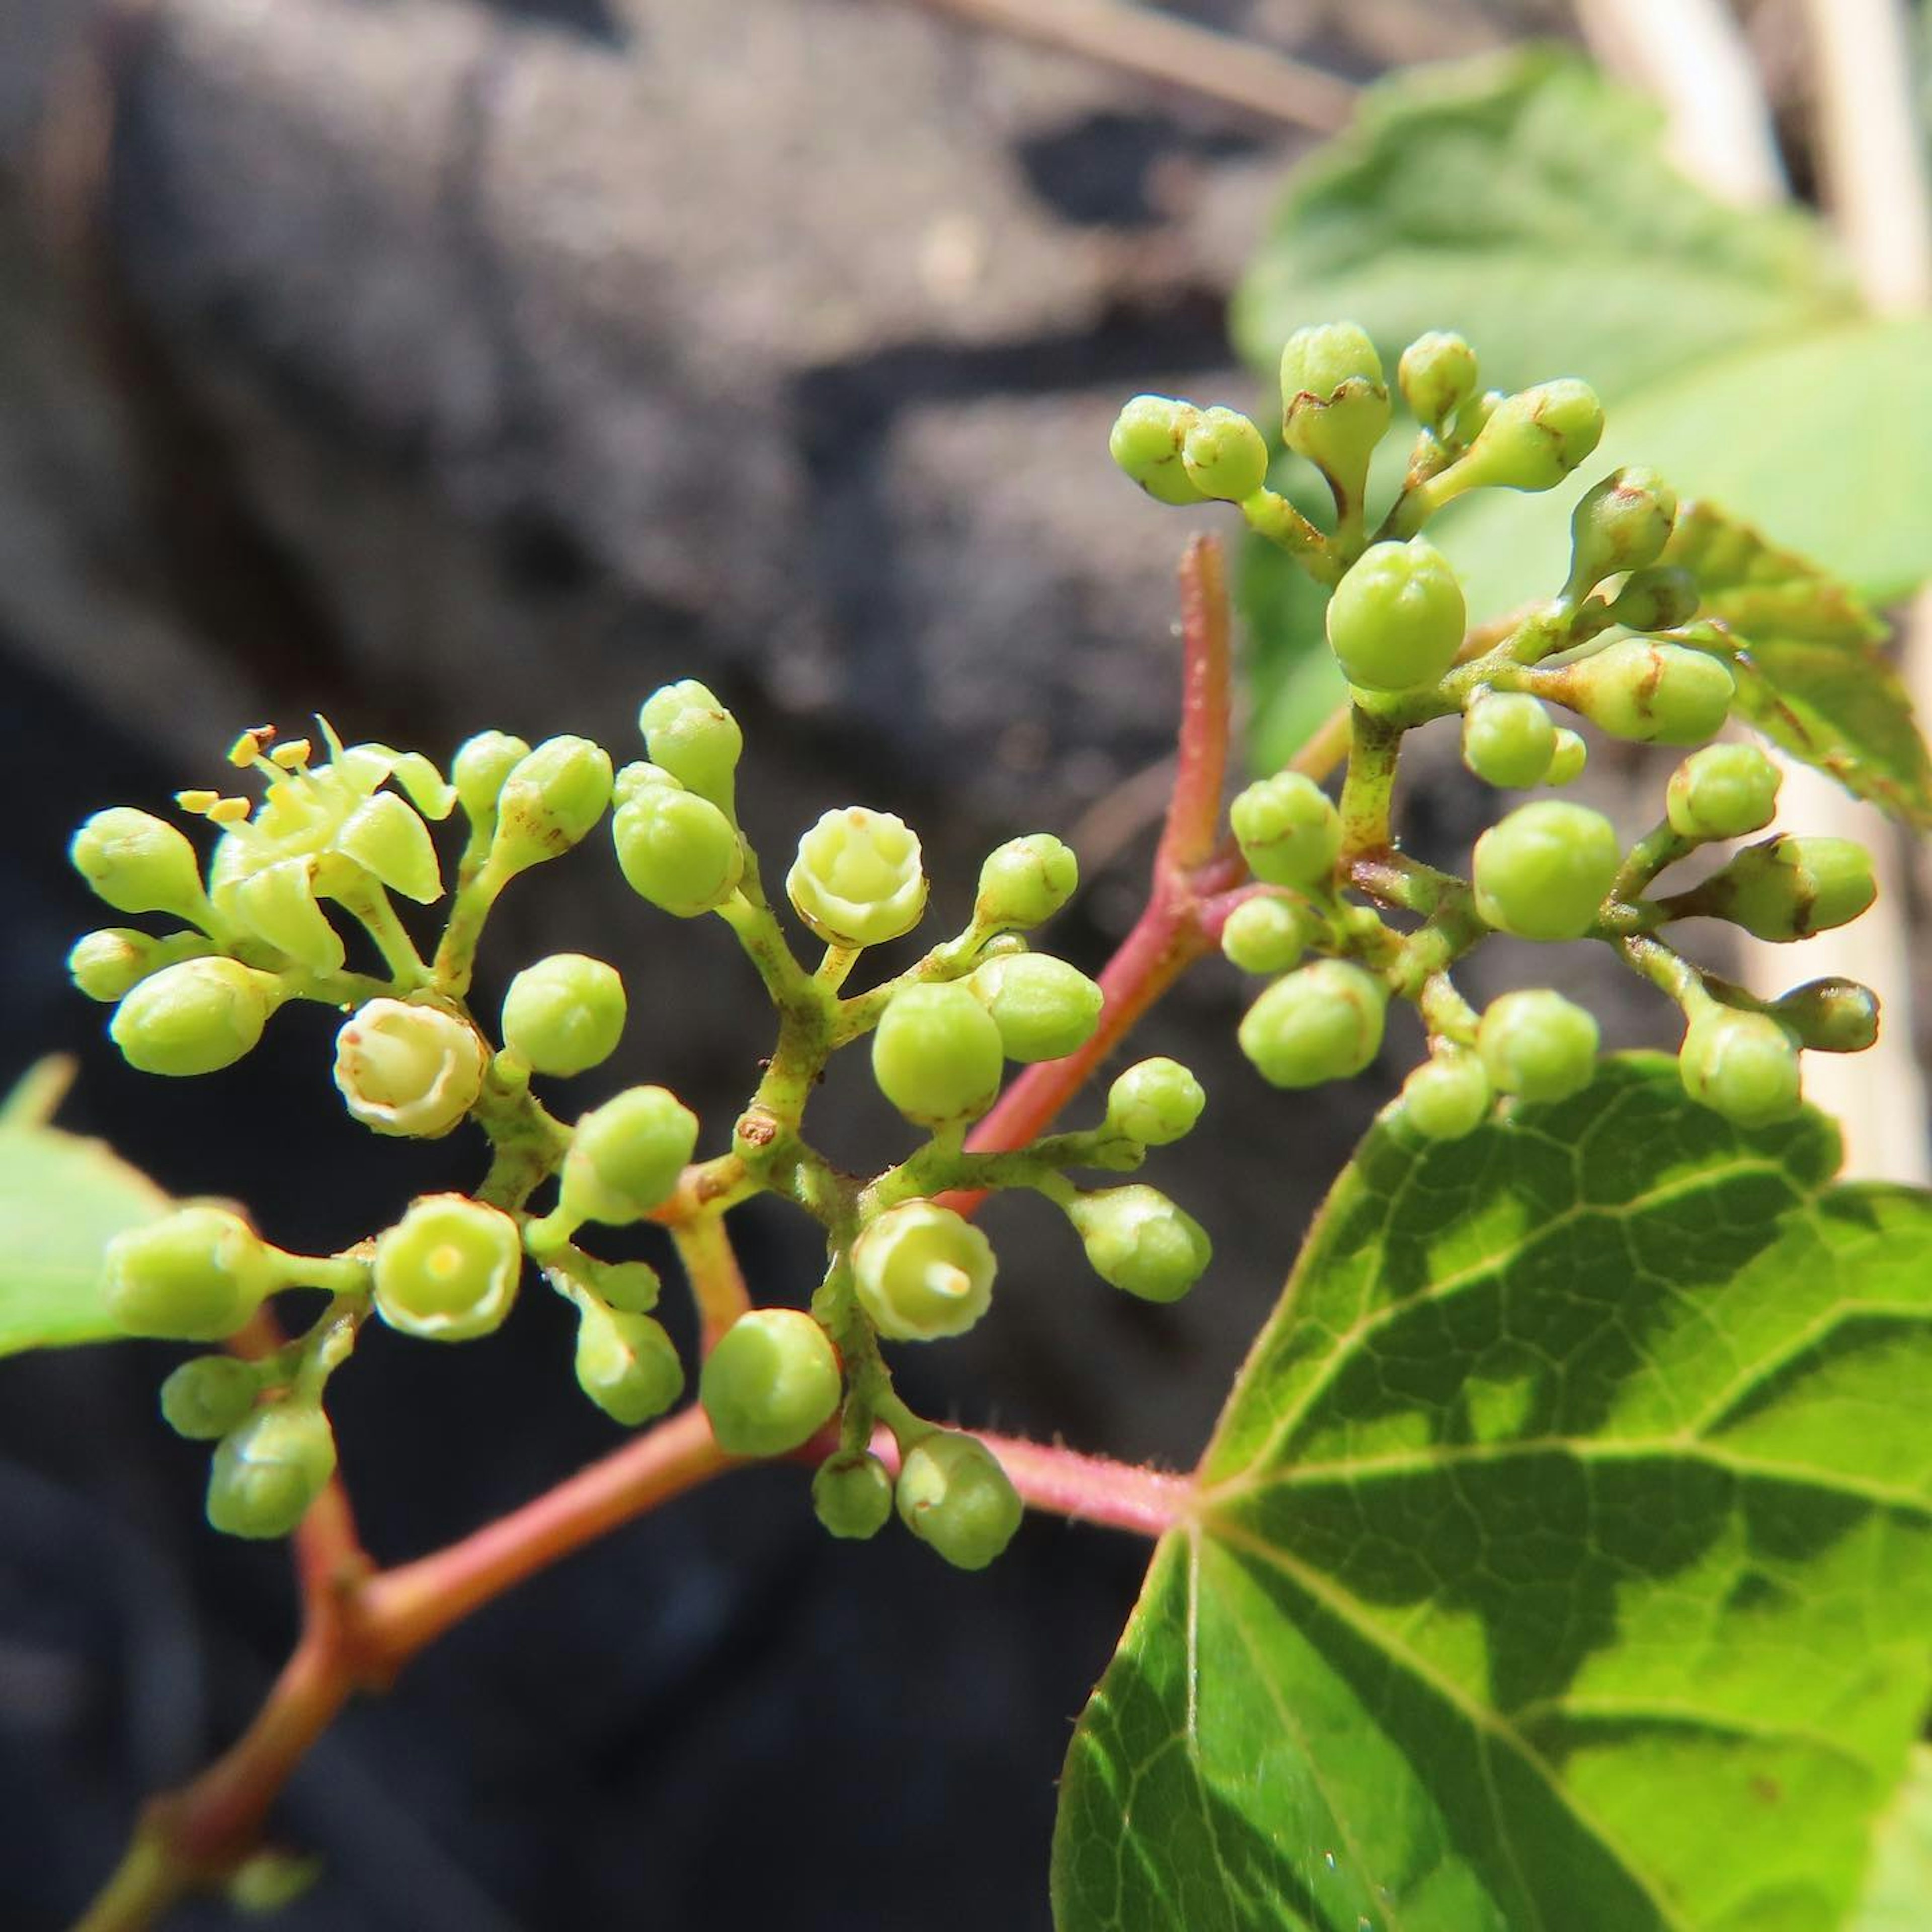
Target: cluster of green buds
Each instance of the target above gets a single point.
(297, 876)
(1619, 647)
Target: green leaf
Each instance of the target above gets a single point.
(1563, 1559)
(62, 1197)
(1898, 1896)
(1812, 676)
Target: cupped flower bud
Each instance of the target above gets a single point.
(1744, 1065)
(1567, 760)
(1044, 1008)
(1289, 830)
(137, 863)
(852, 1495)
(386, 836)
(1155, 1102)
(407, 1070)
(195, 1016)
(267, 1473)
(770, 1384)
(953, 1495)
(480, 767)
(1146, 442)
(1654, 693)
(922, 1273)
(1832, 1015)
(1446, 1098)
(626, 1363)
(1225, 456)
(448, 1271)
(1659, 598)
(937, 1055)
(677, 850)
(1397, 620)
(1024, 882)
(1508, 738)
(1532, 440)
(551, 798)
(1438, 376)
(634, 779)
(109, 964)
(204, 1399)
(1724, 791)
(1622, 523)
(1139, 1241)
(1323, 1022)
(1267, 934)
(195, 1275)
(1788, 889)
(1538, 1045)
(857, 879)
(1543, 872)
(692, 736)
(565, 1014)
(1335, 404)
(626, 1157)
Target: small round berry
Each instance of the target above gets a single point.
(1335, 404)
(1289, 830)
(480, 767)
(1538, 1045)
(1724, 791)
(204, 1399)
(1155, 1102)
(852, 1495)
(1044, 1008)
(937, 1055)
(1786, 889)
(626, 1364)
(552, 797)
(406, 1070)
(1744, 1065)
(195, 1275)
(267, 1472)
(922, 1273)
(1323, 1022)
(1622, 523)
(1024, 882)
(109, 964)
(565, 1014)
(858, 880)
(386, 836)
(692, 736)
(448, 1271)
(1567, 760)
(1146, 441)
(1225, 456)
(196, 1016)
(1659, 598)
(1542, 872)
(626, 1156)
(1139, 1241)
(1653, 693)
(139, 863)
(1438, 376)
(678, 850)
(771, 1383)
(1446, 1098)
(1508, 738)
(1395, 621)
(1832, 1015)
(1533, 439)
(1266, 934)
(953, 1495)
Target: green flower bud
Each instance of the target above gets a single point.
(1044, 1008)
(1395, 621)
(770, 1384)
(1724, 791)
(1024, 882)
(852, 1495)
(1155, 1102)
(1146, 442)
(109, 964)
(1567, 760)
(1657, 599)
(1139, 1241)
(937, 1055)
(626, 1156)
(408, 1070)
(1744, 1065)
(266, 1474)
(204, 1399)
(1323, 1022)
(139, 863)
(639, 776)
(626, 1363)
(955, 1499)
(1543, 872)
(552, 797)
(481, 765)
(448, 1271)
(1656, 693)
(1438, 376)
(1538, 1045)
(195, 1275)
(1532, 440)
(857, 879)
(678, 850)
(922, 1273)
(1508, 738)
(1267, 934)
(1622, 523)
(565, 1014)
(1787, 888)
(196, 1016)
(1335, 404)
(1225, 456)
(1289, 830)
(1831, 1015)
(277, 903)
(692, 736)
(1447, 1096)
(631, 1287)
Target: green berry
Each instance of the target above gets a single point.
(267, 1472)
(626, 1156)
(1447, 1096)
(1567, 760)
(139, 863)
(852, 1495)
(692, 736)
(1787, 889)
(448, 1271)
(408, 1069)
(1146, 442)
(552, 797)
(195, 1275)
(196, 1016)
(1267, 933)
(204, 1399)
(858, 880)
(1024, 882)
(109, 964)
(1832, 1015)
(1542, 872)
(1724, 791)
(1657, 599)
(1155, 1102)
(1323, 1022)
(937, 1055)
(565, 1014)
(1654, 693)
(678, 850)
(1289, 830)
(1532, 440)
(1744, 1065)
(771, 1383)
(480, 767)
(1139, 1241)
(953, 1495)
(387, 838)
(1044, 1008)
(1397, 620)
(1538, 1045)
(922, 1273)
(1622, 523)
(1508, 738)
(1335, 404)
(1438, 376)
(1225, 456)
(626, 1364)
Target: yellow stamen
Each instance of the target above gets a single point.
(292, 756)
(229, 811)
(198, 802)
